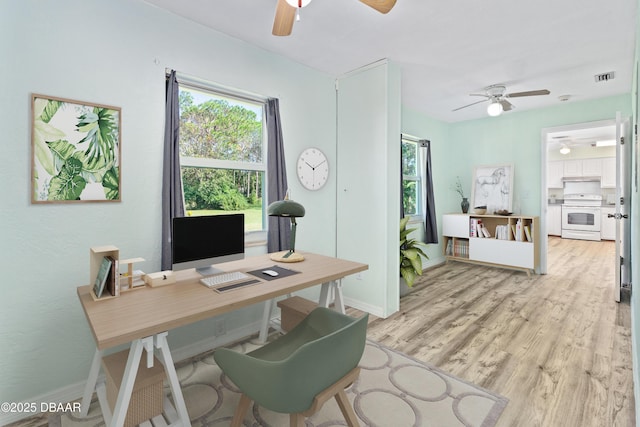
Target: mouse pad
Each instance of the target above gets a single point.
(282, 272)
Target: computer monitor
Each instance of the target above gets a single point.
(200, 241)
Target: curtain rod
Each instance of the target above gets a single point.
(199, 83)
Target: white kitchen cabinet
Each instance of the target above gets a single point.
(608, 179)
(516, 253)
(572, 168)
(555, 172)
(592, 167)
(607, 225)
(554, 220)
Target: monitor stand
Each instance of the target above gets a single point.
(208, 271)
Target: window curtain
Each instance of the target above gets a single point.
(430, 225)
(172, 199)
(279, 229)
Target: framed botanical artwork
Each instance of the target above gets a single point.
(75, 151)
(493, 187)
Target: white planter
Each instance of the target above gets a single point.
(404, 288)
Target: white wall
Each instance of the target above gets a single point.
(116, 53)
(368, 184)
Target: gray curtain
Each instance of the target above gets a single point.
(172, 200)
(430, 225)
(279, 228)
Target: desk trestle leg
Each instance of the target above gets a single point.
(332, 291)
(170, 370)
(94, 371)
(129, 378)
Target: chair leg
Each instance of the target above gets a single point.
(346, 409)
(241, 409)
(296, 420)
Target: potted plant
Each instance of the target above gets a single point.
(410, 254)
(464, 204)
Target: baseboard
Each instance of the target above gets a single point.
(433, 262)
(74, 391)
(359, 305)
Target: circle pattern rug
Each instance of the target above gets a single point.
(393, 390)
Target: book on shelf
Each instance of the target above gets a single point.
(527, 233)
(449, 250)
(485, 232)
(502, 232)
(102, 276)
(112, 279)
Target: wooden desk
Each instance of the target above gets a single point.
(143, 317)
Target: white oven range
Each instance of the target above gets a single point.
(581, 216)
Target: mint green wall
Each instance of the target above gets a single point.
(416, 124)
(368, 192)
(515, 137)
(115, 52)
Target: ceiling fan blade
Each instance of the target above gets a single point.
(528, 93)
(506, 105)
(382, 6)
(283, 21)
(469, 105)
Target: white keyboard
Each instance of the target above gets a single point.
(223, 278)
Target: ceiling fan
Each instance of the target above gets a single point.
(286, 11)
(498, 98)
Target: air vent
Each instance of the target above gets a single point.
(605, 76)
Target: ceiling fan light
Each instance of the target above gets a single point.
(564, 149)
(298, 3)
(494, 109)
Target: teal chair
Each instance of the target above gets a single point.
(299, 371)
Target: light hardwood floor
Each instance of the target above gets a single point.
(556, 345)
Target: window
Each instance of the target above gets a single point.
(222, 155)
(411, 177)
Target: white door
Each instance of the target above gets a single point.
(623, 185)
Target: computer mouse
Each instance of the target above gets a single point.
(270, 273)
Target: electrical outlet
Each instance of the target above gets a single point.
(220, 327)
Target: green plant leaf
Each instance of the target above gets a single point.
(111, 184)
(68, 184)
(409, 275)
(42, 133)
(411, 254)
(101, 126)
(50, 110)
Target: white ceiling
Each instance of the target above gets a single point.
(448, 49)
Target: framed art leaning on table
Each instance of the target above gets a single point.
(492, 187)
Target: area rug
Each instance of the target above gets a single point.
(394, 390)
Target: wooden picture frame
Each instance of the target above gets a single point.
(492, 187)
(75, 151)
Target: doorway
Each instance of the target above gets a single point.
(582, 165)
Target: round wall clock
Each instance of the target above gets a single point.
(312, 169)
